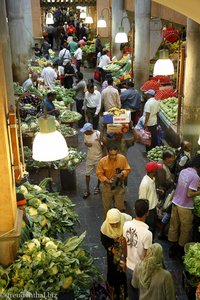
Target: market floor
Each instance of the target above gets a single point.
(91, 213)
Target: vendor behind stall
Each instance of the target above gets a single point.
(49, 105)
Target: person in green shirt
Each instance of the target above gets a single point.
(73, 46)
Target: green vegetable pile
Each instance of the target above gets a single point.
(197, 206)
(68, 116)
(169, 108)
(88, 49)
(67, 131)
(35, 69)
(62, 94)
(18, 89)
(192, 261)
(50, 214)
(30, 124)
(156, 153)
(74, 158)
(48, 265)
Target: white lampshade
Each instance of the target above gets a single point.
(83, 15)
(49, 19)
(49, 144)
(121, 36)
(101, 22)
(88, 20)
(164, 65)
(199, 141)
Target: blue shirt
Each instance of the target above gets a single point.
(131, 99)
(49, 106)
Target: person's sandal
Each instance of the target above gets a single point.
(86, 195)
(97, 191)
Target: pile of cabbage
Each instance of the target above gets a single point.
(51, 266)
(156, 153)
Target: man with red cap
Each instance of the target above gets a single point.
(147, 190)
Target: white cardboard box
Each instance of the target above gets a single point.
(124, 118)
(114, 128)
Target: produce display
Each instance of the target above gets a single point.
(29, 105)
(156, 153)
(30, 124)
(191, 261)
(35, 69)
(49, 265)
(49, 213)
(89, 49)
(67, 131)
(197, 206)
(74, 158)
(161, 78)
(62, 94)
(18, 89)
(117, 111)
(164, 94)
(120, 70)
(150, 85)
(68, 116)
(169, 108)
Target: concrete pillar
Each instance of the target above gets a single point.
(117, 14)
(10, 220)
(191, 108)
(21, 36)
(36, 20)
(142, 41)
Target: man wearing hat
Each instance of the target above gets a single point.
(49, 105)
(94, 154)
(147, 190)
(151, 109)
(25, 230)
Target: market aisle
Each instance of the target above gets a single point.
(90, 211)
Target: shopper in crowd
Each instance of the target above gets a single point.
(51, 33)
(110, 96)
(30, 82)
(69, 74)
(183, 157)
(92, 105)
(147, 190)
(151, 278)
(63, 40)
(79, 88)
(78, 54)
(131, 100)
(98, 45)
(48, 105)
(82, 42)
(182, 209)
(45, 48)
(151, 109)
(111, 171)
(82, 31)
(94, 154)
(112, 240)
(64, 53)
(71, 30)
(105, 82)
(103, 62)
(73, 46)
(138, 239)
(49, 75)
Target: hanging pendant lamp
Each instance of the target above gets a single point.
(163, 65)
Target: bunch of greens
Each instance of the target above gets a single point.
(4, 279)
(192, 261)
(74, 158)
(62, 94)
(156, 153)
(88, 49)
(18, 89)
(68, 116)
(35, 69)
(49, 213)
(30, 124)
(67, 131)
(31, 163)
(197, 206)
(45, 264)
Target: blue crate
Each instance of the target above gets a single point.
(108, 118)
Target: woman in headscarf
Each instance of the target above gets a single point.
(150, 277)
(112, 240)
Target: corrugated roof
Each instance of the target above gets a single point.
(67, 3)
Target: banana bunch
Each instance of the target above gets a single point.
(116, 111)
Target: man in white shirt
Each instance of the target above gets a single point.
(151, 110)
(92, 105)
(64, 53)
(49, 75)
(137, 239)
(147, 190)
(103, 62)
(110, 96)
(78, 54)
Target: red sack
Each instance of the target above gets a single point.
(150, 85)
(164, 94)
(144, 137)
(97, 75)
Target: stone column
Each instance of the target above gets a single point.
(142, 41)
(36, 21)
(9, 225)
(21, 36)
(191, 107)
(117, 14)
